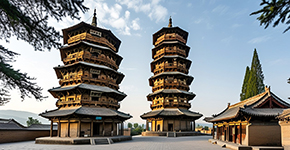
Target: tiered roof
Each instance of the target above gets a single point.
(266, 104)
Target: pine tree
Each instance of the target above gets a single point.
(244, 87)
(28, 21)
(255, 82)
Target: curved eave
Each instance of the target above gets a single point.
(81, 24)
(85, 111)
(119, 58)
(188, 82)
(190, 95)
(165, 29)
(171, 112)
(226, 114)
(102, 89)
(59, 76)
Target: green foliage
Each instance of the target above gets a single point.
(137, 130)
(205, 127)
(244, 87)
(135, 125)
(28, 21)
(274, 10)
(32, 121)
(254, 79)
(129, 125)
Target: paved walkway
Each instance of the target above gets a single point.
(138, 143)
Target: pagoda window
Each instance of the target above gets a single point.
(70, 99)
(95, 98)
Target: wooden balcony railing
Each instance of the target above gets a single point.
(89, 37)
(170, 104)
(88, 57)
(101, 103)
(173, 51)
(164, 37)
(165, 68)
(82, 79)
(169, 86)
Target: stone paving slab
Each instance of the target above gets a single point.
(137, 143)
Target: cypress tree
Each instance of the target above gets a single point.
(244, 87)
(255, 84)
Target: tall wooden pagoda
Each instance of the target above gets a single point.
(170, 83)
(88, 97)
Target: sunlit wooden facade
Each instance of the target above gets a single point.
(88, 98)
(170, 83)
(251, 122)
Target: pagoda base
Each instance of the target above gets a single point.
(82, 140)
(172, 134)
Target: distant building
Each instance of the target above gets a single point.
(170, 83)
(12, 131)
(251, 122)
(88, 98)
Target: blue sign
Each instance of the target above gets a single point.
(98, 118)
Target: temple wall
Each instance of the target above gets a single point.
(263, 134)
(285, 130)
(7, 136)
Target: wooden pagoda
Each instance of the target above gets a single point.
(170, 83)
(88, 97)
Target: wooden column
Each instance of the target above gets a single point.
(112, 129)
(173, 125)
(79, 129)
(147, 125)
(186, 125)
(155, 125)
(240, 133)
(58, 128)
(68, 128)
(162, 125)
(51, 128)
(193, 125)
(103, 128)
(122, 128)
(180, 124)
(235, 134)
(92, 129)
(213, 129)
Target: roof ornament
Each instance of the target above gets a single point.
(170, 22)
(94, 21)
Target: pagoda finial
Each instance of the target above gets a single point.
(94, 21)
(170, 22)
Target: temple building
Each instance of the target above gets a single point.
(251, 122)
(170, 83)
(284, 122)
(88, 98)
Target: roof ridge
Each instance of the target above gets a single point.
(249, 99)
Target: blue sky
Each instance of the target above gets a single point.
(222, 37)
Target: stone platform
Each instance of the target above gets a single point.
(82, 140)
(172, 134)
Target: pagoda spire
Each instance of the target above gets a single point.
(170, 22)
(94, 21)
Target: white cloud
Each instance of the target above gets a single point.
(154, 10)
(135, 24)
(259, 39)
(115, 17)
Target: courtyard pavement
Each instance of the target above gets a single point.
(137, 143)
